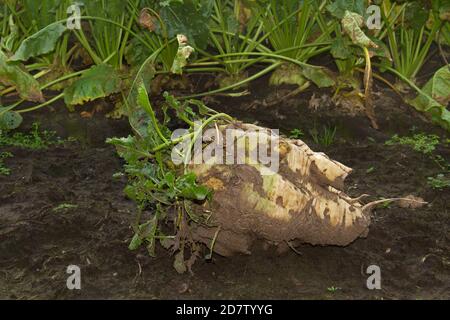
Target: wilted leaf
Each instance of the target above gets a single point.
(319, 75)
(183, 54)
(98, 82)
(12, 74)
(352, 24)
(147, 20)
(42, 42)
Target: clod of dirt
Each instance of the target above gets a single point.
(411, 202)
(301, 201)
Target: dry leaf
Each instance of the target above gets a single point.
(146, 20)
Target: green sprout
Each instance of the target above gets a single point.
(34, 140)
(296, 134)
(439, 182)
(420, 142)
(4, 170)
(65, 207)
(325, 138)
(333, 289)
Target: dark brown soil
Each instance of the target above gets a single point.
(37, 243)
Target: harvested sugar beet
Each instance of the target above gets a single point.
(302, 201)
(228, 185)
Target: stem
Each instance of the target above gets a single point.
(200, 130)
(384, 80)
(238, 84)
(61, 95)
(191, 134)
(410, 83)
(66, 77)
(148, 108)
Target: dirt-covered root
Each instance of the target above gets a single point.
(301, 201)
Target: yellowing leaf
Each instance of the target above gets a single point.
(12, 74)
(352, 24)
(98, 82)
(319, 75)
(183, 54)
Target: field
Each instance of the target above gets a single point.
(410, 245)
(75, 191)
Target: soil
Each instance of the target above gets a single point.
(38, 243)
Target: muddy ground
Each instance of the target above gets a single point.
(37, 242)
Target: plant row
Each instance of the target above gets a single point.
(92, 49)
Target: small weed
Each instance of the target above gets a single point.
(64, 207)
(4, 170)
(439, 182)
(420, 142)
(426, 144)
(296, 134)
(118, 175)
(386, 205)
(370, 170)
(35, 140)
(333, 289)
(326, 137)
(442, 163)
